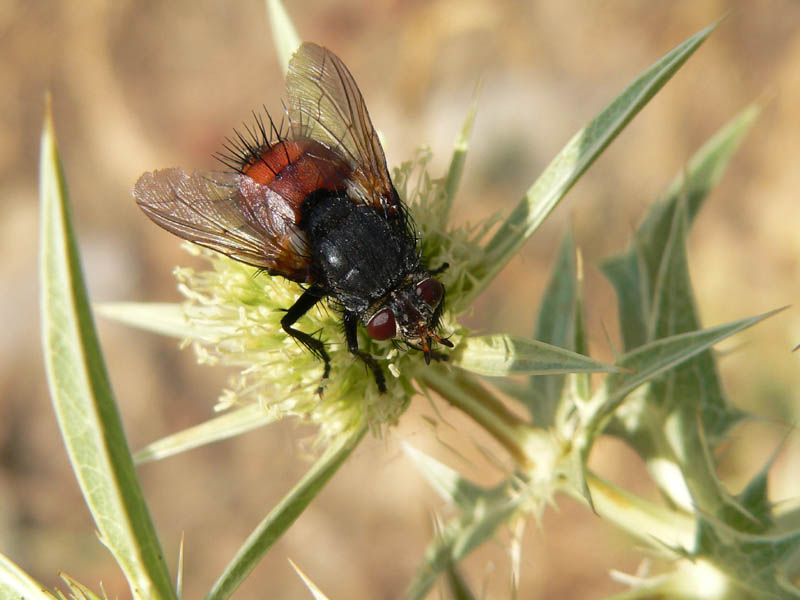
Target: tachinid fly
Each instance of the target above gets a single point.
(313, 203)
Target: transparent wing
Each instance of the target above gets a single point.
(325, 104)
(229, 213)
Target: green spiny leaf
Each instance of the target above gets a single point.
(674, 312)
(556, 325)
(626, 274)
(458, 538)
(81, 393)
(633, 273)
(284, 34)
(312, 587)
(234, 422)
(656, 358)
(753, 562)
(284, 514)
(567, 167)
(701, 175)
(16, 583)
(756, 510)
(686, 394)
(447, 482)
(502, 354)
(159, 317)
(79, 591)
(456, 168)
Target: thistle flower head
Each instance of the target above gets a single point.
(236, 313)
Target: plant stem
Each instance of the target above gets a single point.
(465, 393)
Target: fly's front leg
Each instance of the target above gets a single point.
(351, 333)
(304, 303)
(440, 269)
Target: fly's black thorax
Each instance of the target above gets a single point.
(358, 255)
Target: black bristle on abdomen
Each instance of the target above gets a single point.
(244, 148)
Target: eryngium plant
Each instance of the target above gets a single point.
(662, 397)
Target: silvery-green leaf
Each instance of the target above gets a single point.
(81, 393)
(231, 423)
(568, 166)
(284, 514)
(284, 34)
(501, 355)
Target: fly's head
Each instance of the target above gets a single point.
(411, 313)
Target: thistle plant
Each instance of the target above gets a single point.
(662, 396)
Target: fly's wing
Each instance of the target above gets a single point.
(326, 105)
(229, 213)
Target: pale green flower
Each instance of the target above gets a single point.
(234, 314)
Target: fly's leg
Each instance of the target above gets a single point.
(440, 269)
(437, 356)
(351, 333)
(304, 303)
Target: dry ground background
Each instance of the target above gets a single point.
(139, 85)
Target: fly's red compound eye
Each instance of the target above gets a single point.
(431, 291)
(382, 325)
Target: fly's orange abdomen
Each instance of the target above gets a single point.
(296, 168)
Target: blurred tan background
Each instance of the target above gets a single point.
(141, 85)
